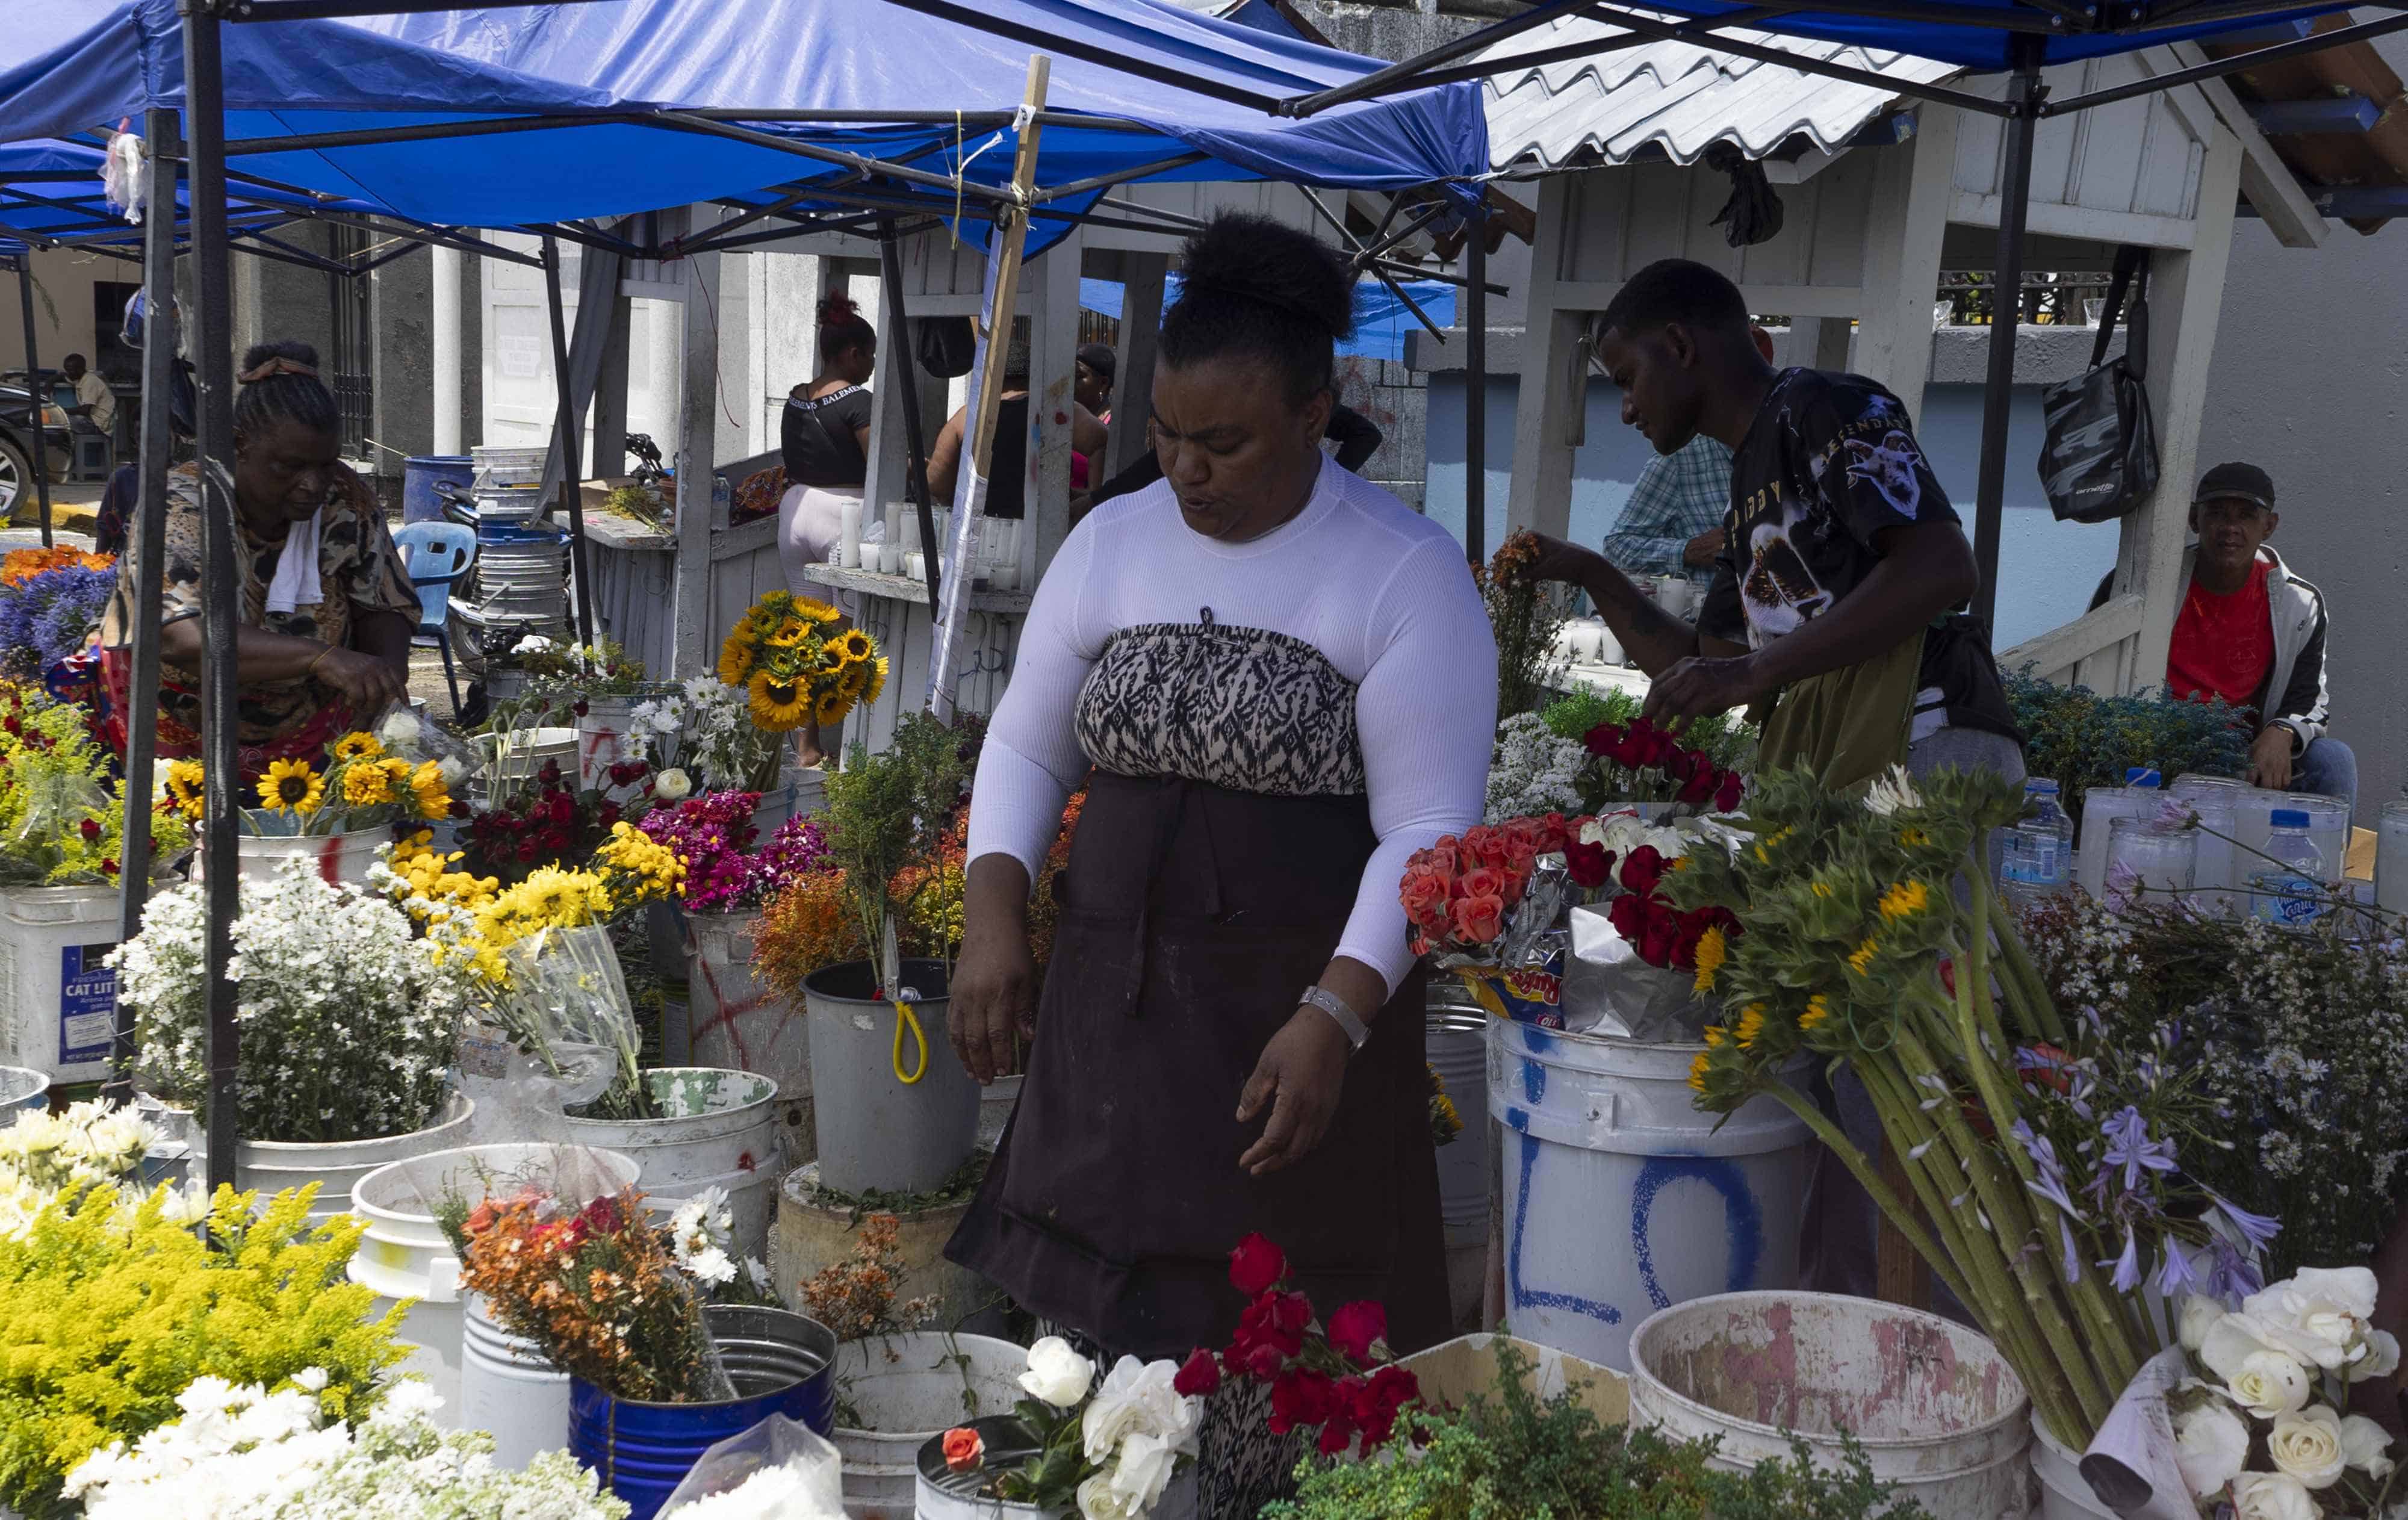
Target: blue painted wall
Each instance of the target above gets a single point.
(2047, 569)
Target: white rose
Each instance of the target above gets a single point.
(2318, 1315)
(399, 730)
(2366, 1446)
(1144, 1470)
(1056, 1374)
(1139, 1399)
(2307, 1445)
(2200, 1314)
(2269, 1385)
(2232, 1340)
(2380, 1359)
(1097, 1500)
(2272, 1496)
(455, 770)
(673, 785)
(2213, 1444)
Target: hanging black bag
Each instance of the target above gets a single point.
(2099, 460)
(948, 346)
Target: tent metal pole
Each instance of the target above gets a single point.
(1120, 177)
(2216, 68)
(2024, 92)
(205, 118)
(41, 482)
(915, 478)
(855, 161)
(572, 467)
(1475, 391)
(159, 129)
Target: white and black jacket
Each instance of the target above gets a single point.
(2294, 693)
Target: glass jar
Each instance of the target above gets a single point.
(2391, 858)
(2149, 862)
(2100, 807)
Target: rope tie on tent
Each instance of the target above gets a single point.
(1022, 119)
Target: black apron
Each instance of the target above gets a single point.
(1191, 916)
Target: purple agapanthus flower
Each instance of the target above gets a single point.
(2050, 1183)
(2128, 1266)
(2177, 1277)
(2258, 1229)
(2231, 1277)
(2128, 1146)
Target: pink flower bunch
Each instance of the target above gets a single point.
(713, 835)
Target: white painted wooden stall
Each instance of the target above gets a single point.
(1867, 232)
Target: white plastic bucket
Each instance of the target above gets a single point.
(907, 1388)
(1621, 1197)
(737, 1022)
(723, 1132)
(509, 1389)
(406, 1254)
(61, 1003)
(271, 1167)
(22, 1090)
(601, 739)
(525, 751)
(1941, 1416)
(2064, 1492)
(341, 859)
(877, 1132)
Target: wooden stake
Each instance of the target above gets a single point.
(1900, 1275)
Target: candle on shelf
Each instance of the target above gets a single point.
(848, 533)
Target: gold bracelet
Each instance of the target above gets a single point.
(319, 661)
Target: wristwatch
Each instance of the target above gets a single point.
(1335, 1006)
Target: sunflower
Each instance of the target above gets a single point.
(1751, 1025)
(816, 613)
(735, 657)
(434, 797)
(877, 680)
(831, 708)
(358, 746)
(291, 786)
(779, 706)
(1818, 1008)
(1904, 900)
(1860, 960)
(367, 784)
(1713, 948)
(852, 681)
(856, 647)
(185, 787)
(789, 635)
(1698, 1069)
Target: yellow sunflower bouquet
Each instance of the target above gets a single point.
(796, 665)
(362, 780)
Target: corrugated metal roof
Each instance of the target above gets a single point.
(1608, 105)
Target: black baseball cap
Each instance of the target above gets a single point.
(1100, 358)
(2245, 482)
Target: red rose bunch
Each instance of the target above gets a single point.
(550, 823)
(1458, 893)
(1340, 1377)
(1687, 776)
(1663, 935)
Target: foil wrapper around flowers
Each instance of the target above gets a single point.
(1525, 982)
(1609, 990)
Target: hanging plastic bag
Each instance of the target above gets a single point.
(777, 1467)
(121, 173)
(568, 1013)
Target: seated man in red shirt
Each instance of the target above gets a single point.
(2252, 633)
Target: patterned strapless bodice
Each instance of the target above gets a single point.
(1241, 708)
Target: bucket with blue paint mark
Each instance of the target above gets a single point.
(1620, 1197)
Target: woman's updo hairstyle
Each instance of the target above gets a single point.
(842, 329)
(279, 382)
(1258, 288)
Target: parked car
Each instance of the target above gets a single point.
(17, 446)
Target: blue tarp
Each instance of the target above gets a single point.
(1381, 320)
(88, 215)
(89, 63)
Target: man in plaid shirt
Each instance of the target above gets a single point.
(1672, 524)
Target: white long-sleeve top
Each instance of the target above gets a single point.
(1382, 591)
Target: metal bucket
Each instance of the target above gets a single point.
(22, 1090)
(941, 1495)
(722, 1132)
(780, 1363)
(421, 473)
(1621, 1197)
(876, 1132)
(907, 1388)
(1456, 1032)
(1941, 1416)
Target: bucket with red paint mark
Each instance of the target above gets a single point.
(340, 859)
(721, 1130)
(738, 1023)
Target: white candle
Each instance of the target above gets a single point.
(848, 533)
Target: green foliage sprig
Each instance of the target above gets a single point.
(2084, 740)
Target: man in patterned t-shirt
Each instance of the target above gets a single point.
(1842, 564)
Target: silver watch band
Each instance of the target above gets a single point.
(1335, 1006)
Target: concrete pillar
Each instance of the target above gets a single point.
(401, 348)
(444, 286)
(274, 301)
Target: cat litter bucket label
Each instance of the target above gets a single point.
(87, 1004)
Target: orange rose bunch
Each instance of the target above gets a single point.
(1459, 892)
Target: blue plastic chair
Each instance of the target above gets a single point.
(441, 554)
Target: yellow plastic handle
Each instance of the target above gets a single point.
(904, 1018)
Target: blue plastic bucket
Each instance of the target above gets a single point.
(781, 1362)
(421, 473)
(22, 1090)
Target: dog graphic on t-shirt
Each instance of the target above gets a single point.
(1891, 467)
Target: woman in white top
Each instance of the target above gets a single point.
(1277, 682)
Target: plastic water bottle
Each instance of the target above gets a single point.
(2037, 853)
(2290, 889)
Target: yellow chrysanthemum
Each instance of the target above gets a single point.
(1698, 1069)
(367, 784)
(1751, 1024)
(1904, 900)
(735, 657)
(291, 786)
(779, 706)
(1818, 1008)
(1712, 951)
(1860, 960)
(427, 785)
(357, 746)
(185, 787)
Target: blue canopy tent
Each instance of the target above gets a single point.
(2018, 36)
(810, 113)
(1382, 318)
